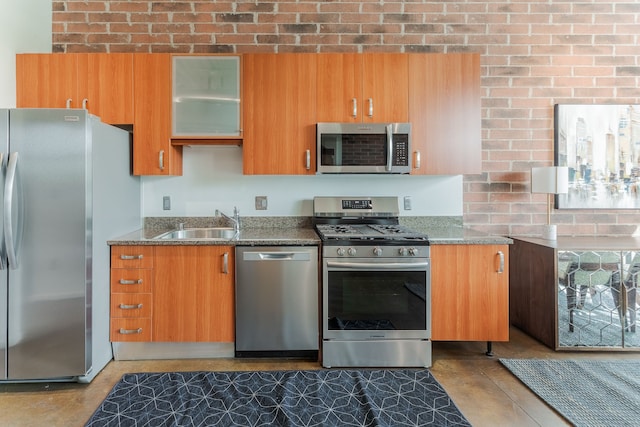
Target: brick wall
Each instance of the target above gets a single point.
(534, 54)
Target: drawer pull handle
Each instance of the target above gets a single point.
(130, 282)
(131, 256)
(130, 306)
(501, 266)
(130, 331)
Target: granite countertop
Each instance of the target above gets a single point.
(294, 231)
(248, 236)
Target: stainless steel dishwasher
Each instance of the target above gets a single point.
(277, 301)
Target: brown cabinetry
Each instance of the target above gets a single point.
(99, 82)
(153, 153)
(470, 292)
(131, 291)
(445, 113)
(193, 297)
(279, 114)
(371, 87)
(172, 293)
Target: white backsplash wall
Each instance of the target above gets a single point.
(213, 179)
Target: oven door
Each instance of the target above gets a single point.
(376, 298)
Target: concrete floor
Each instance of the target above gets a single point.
(486, 393)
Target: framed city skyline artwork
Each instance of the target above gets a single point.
(600, 144)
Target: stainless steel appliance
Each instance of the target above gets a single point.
(375, 284)
(364, 148)
(67, 190)
(277, 301)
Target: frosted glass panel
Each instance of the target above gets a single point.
(206, 96)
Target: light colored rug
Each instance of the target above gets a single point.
(586, 392)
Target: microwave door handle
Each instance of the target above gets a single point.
(389, 147)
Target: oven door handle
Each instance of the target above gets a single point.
(379, 265)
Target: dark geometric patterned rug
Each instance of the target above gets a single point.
(389, 397)
(589, 393)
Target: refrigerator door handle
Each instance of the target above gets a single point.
(8, 202)
(3, 255)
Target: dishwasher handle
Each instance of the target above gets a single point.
(276, 256)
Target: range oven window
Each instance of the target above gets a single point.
(377, 300)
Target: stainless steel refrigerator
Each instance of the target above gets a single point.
(67, 189)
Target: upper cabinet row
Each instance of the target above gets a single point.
(269, 103)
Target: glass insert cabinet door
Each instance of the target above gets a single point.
(598, 299)
(206, 96)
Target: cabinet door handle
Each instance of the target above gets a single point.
(370, 107)
(225, 263)
(308, 159)
(130, 306)
(130, 282)
(131, 256)
(416, 163)
(161, 160)
(84, 103)
(130, 331)
(354, 110)
(501, 266)
(69, 100)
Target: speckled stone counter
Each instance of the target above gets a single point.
(295, 231)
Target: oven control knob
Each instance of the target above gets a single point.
(340, 251)
(377, 251)
(402, 251)
(351, 251)
(413, 251)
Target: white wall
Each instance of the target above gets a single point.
(25, 26)
(213, 180)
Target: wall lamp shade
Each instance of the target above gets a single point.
(550, 180)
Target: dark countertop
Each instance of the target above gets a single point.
(587, 243)
(248, 236)
(304, 236)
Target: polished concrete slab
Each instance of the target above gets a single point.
(486, 393)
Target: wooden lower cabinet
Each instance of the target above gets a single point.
(176, 293)
(131, 287)
(470, 292)
(193, 296)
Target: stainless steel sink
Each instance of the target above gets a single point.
(217, 233)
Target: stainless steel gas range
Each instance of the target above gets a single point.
(375, 285)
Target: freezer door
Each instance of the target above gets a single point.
(4, 145)
(48, 283)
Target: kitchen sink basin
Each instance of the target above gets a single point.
(217, 233)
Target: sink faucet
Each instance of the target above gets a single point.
(235, 219)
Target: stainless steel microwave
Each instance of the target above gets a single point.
(364, 148)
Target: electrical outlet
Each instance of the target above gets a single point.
(261, 203)
(166, 203)
(407, 203)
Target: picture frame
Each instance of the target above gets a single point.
(600, 144)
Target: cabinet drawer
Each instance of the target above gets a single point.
(128, 280)
(130, 305)
(132, 256)
(131, 329)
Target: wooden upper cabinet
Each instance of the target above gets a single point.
(109, 85)
(193, 296)
(470, 292)
(46, 80)
(370, 87)
(153, 153)
(100, 82)
(445, 113)
(279, 114)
